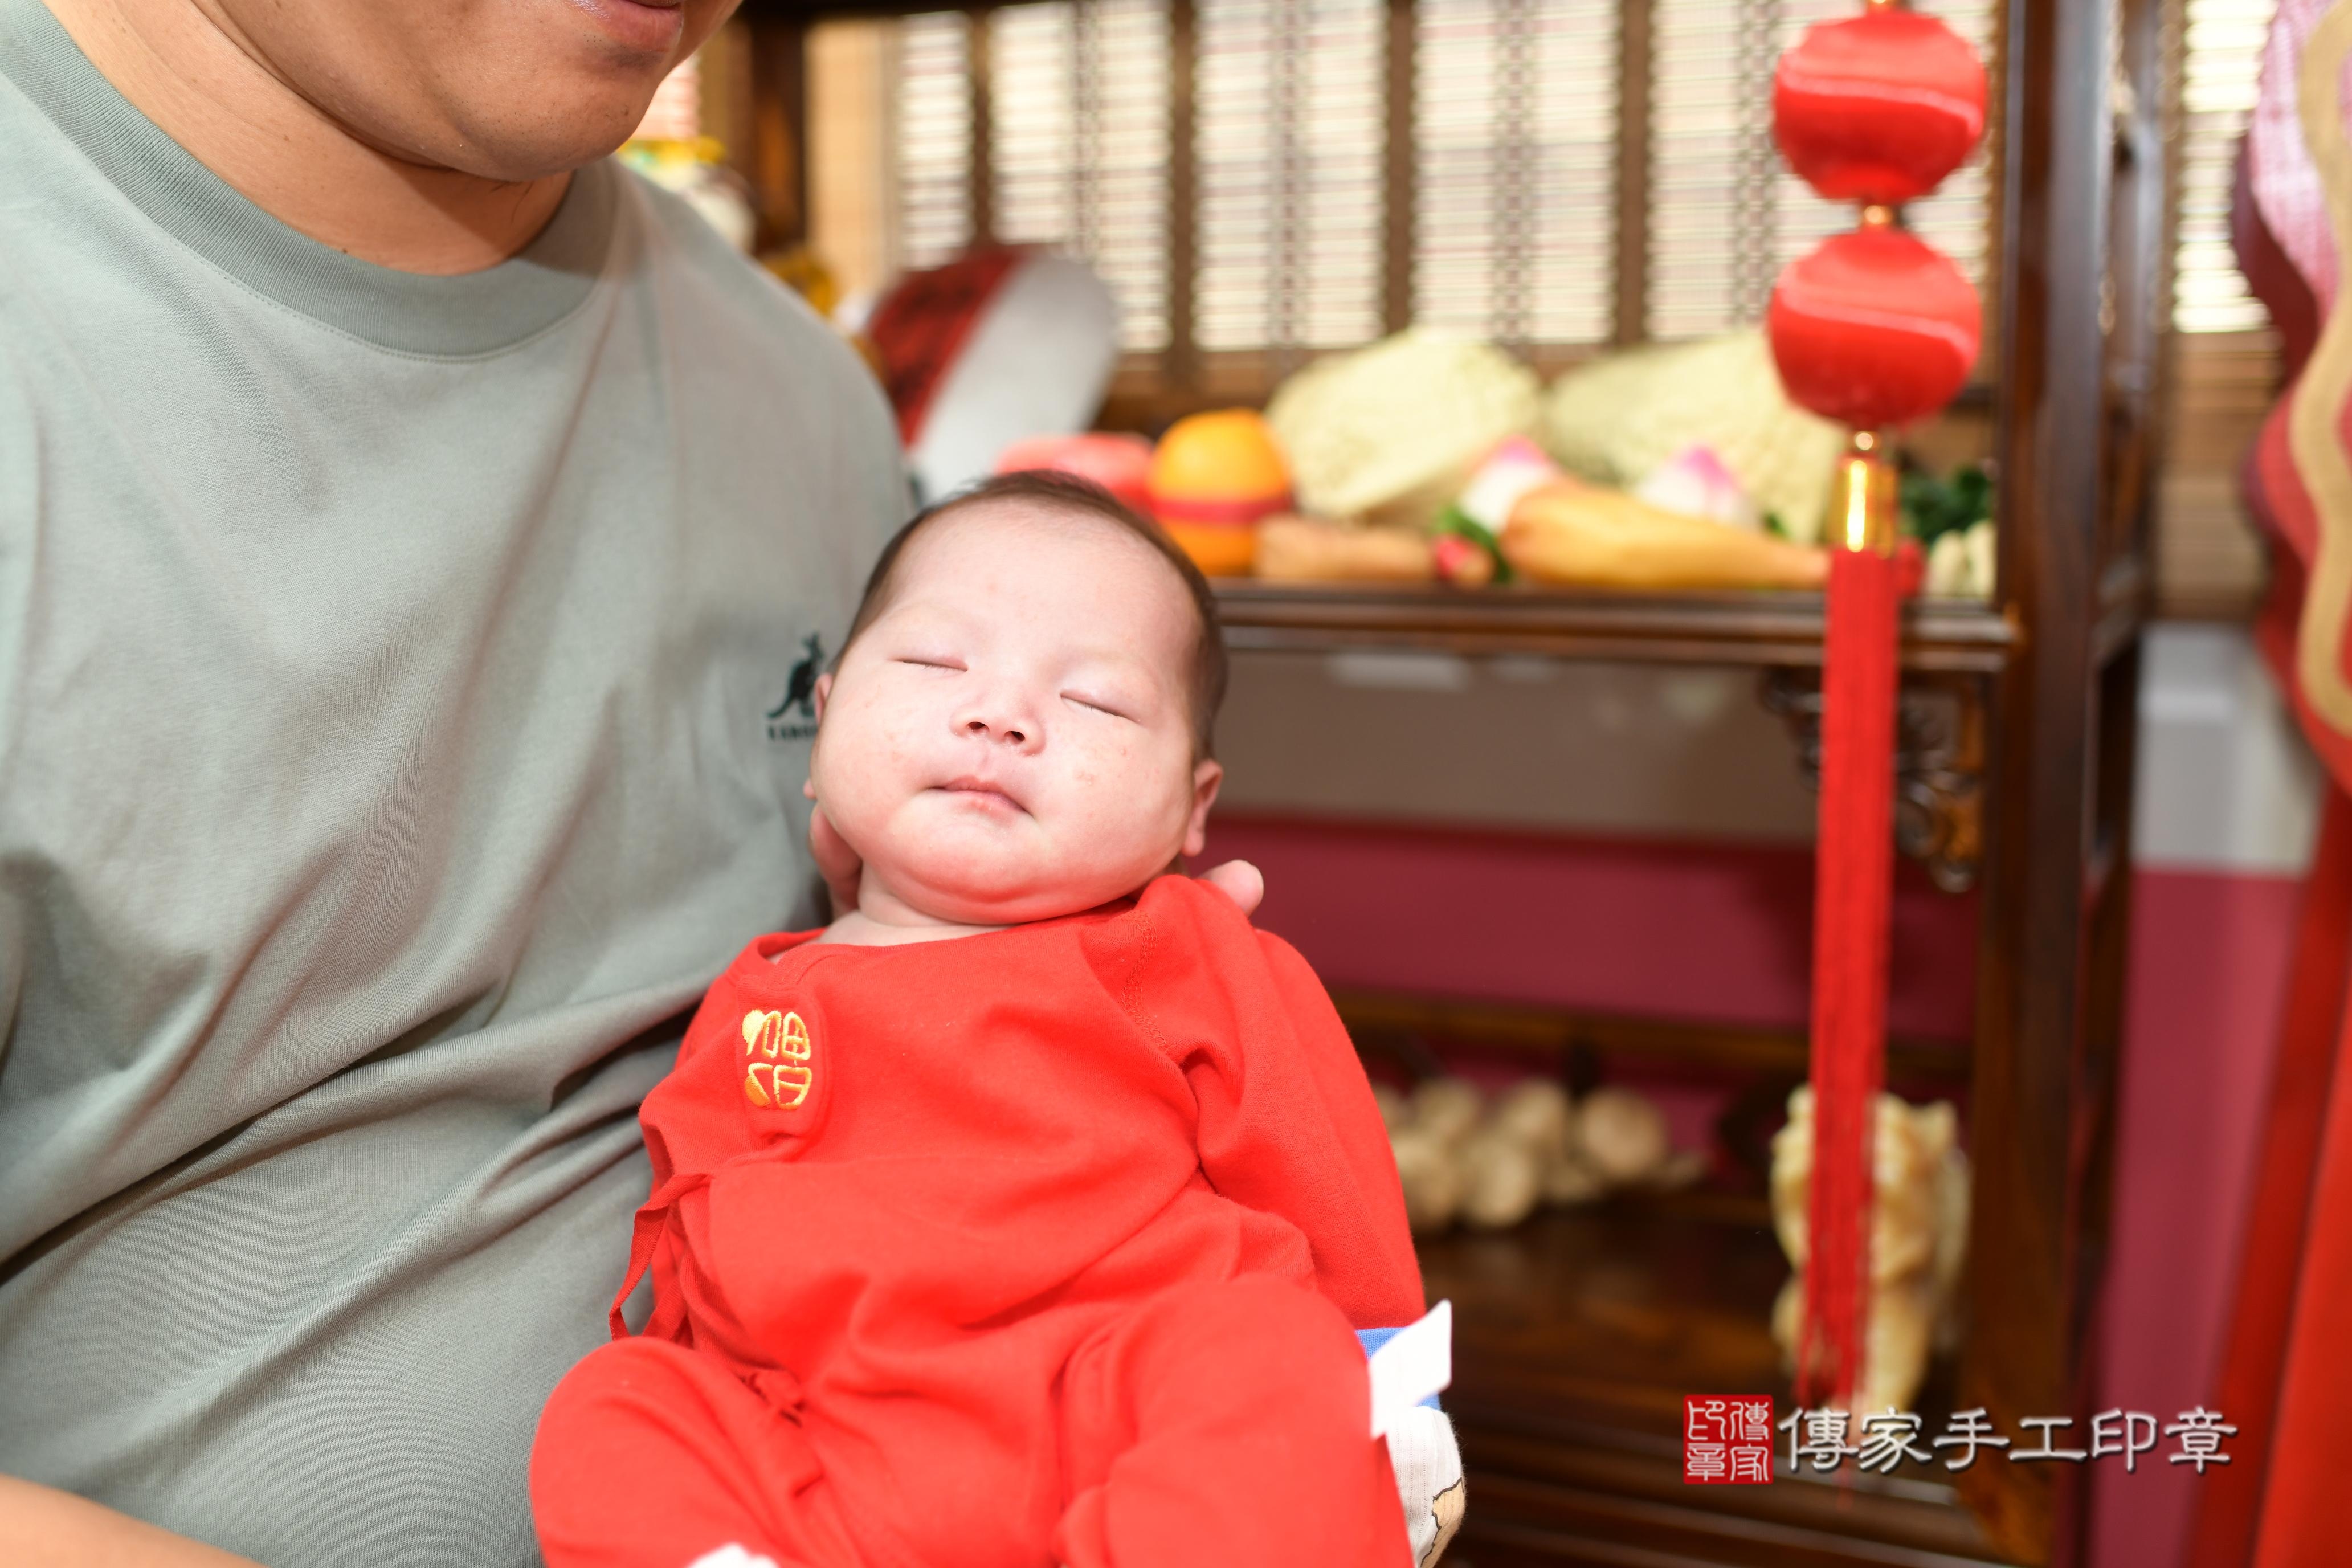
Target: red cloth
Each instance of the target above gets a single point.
(2231, 1500)
(2286, 1374)
(2303, 1513)
(1042, 1244)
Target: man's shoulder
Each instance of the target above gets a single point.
(755, 355)
(681, 246)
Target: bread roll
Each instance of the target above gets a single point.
(1621, 1136)
(1536, 1112)
(1569, 1181)
(1502, 1179)
(1585, 535)
(1299, 549)
(1432, 1178)
(1446, 1108)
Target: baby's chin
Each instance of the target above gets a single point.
(997, 892)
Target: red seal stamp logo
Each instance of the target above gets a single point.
(1727, 1439)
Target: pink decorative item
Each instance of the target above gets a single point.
(1513, 467)
(1120, 464)
(1695, 483)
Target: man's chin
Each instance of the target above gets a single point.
(577, 110)
(517, 155)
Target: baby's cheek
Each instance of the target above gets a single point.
(862, 765)
(879, 738)
(1111, 777)
(1147, 796)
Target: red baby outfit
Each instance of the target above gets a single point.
(1041, 1246)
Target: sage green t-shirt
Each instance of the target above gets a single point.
(403, 715)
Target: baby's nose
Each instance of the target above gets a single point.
(1010, 734)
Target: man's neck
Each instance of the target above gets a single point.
(213, 95)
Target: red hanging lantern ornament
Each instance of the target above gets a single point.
(1874, 330)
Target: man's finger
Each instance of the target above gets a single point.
(836, 862)
(1240, 881)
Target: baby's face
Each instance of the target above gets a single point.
(1011, 738)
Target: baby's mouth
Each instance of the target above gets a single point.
(981, 792)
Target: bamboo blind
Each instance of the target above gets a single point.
(2225, 367)
(1263, 180)
(1350, 166)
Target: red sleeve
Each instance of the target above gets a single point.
(1287, 1120)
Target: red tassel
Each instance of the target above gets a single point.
(1848, 89)
(1852, 889)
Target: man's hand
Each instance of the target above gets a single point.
(43, 1528)
(1240, 881)
(836, 862)
(839, 864)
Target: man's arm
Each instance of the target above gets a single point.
(43, 1528)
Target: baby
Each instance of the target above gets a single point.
(1040, 1242)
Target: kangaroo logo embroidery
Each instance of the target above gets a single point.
(794, 719)
(778, 1061)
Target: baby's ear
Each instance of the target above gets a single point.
(1207, 774)
(823, 691)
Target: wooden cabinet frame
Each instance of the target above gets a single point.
(2052, 667)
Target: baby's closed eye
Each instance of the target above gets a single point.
(1114, 706)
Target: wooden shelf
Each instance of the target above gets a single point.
(1581, 1329)
(1385, 1023)
(1576, 1336)
(1727, 627)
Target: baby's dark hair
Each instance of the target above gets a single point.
(1074, 496)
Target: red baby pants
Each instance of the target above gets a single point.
(1218, 1423)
